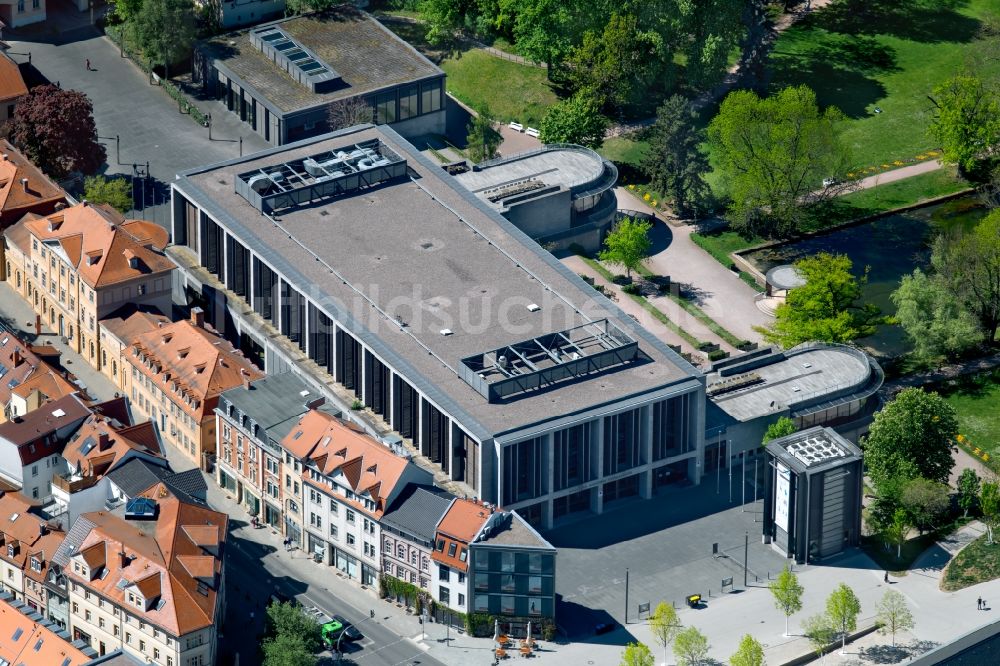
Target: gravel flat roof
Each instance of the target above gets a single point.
(424, 251)
(365, 53)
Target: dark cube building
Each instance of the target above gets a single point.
(812, 500)
(282, 78)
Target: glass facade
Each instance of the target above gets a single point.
(523, 470)
(514, 582)
(623, 441)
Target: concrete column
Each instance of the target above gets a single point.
(646, 479)
(547, 514)
(597, 494)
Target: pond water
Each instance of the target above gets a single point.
(890, 247)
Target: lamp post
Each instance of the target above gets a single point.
(626, 595)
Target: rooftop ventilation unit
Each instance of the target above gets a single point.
(548, 359)
(319, 176)
(300, 63)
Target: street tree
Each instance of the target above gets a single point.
(898, 529)
(55, 129)
(970, 266)
(926, 502)
(783, 427)
(773, 154)
(749, 653)
(675, 163)
(826, 308)
(116, 192)
(303, 6)
(843, 608)
(936, 321)
(820, 632)
(989, 506)
(627, 244)
(349, 112)
(690, 647)
(664, 625)
(968, 490)
(787, 593)
(287, 650)
(165, 30)
(483, 139)
(911, 437)
(637, 654)
(126, 10)
(288, 619)
(966, 121)
(574, 120)
(893, 615)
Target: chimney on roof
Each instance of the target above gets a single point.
(103, 441)
(6, 157)
(198, 317)
(84, 202)
(123, 558)
(43, 529)
(17, 358)
(24, 184)
(316, 403)
(245, 376)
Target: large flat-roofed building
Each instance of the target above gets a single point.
(282, 78)
(352, 259)
(558, 194)
(814, 384)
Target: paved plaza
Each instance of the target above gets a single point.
(145, 120)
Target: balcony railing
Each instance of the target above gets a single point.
(67, 483)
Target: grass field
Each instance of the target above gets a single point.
(512, 91)
(851, 206)
(886, 58)
(977, 402)
(976, 563)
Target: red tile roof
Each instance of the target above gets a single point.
(32, 433)
(164, 560)
(23, 363)
(38, 195)
(336, 446)
(12, 83)
(190, 361)
(36, 644)
(458, 526)
(96, 239)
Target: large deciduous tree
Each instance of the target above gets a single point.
(989, 506)
(843, 608)
(55, 129)
(926, 502)
(935, 319)
(773, 154)
(292, 637)
(303, 6)
(911, 437)
(627, 244)
(970, 266)
(165, 30)
(783, 427)
(966, 120)
(349, 112)
(620, 64)
(116, 192)
(826, 308)
(787, 592)
(675, 163)
(575, 120)
(968, 490)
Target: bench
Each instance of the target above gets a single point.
(516, 126)
(532, 132)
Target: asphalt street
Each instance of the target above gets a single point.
(253, 573)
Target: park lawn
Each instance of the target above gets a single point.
(893, 64)
(976, 563)
(976, 401)
(622, 150)
(512, 91)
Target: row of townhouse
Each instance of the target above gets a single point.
(364, 507)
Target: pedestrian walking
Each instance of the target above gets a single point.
(88, 64)
(979, 603)
(886, 577)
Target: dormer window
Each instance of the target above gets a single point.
(181, 354)
(94, 256)
(36, 565)
(55, 223)
(10, 550)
